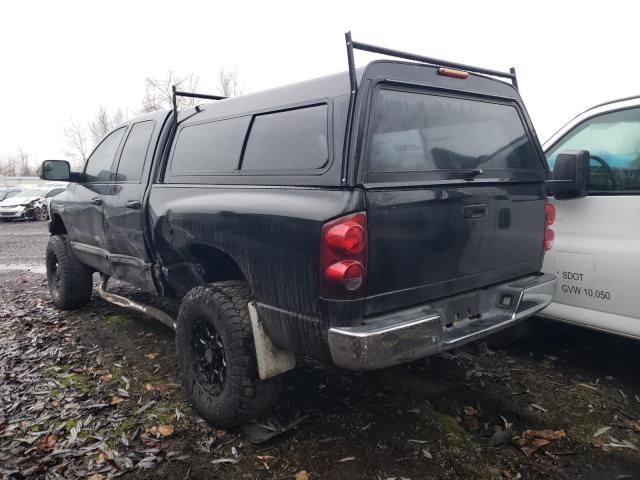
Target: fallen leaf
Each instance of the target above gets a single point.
(105, 378)
(539, 442)
(161, 387)
(602, 430)
(346, 459)
(115, 400)
(533, 439)
(302, 475)
(539, 407)
(546, 434)
(633, 425)
(224, 460)
(165, 430)
(600, 441)
(29, 440)
(468, 410)
(586, 385)
(37, 407)
(96, 476)
(151, 356)
(102, 458)
(48, 442)
(426, 453)
(615, 443)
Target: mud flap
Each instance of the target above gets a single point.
(272, 360)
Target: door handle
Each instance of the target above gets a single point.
(133, 204)
(475, 211)
(97, 200)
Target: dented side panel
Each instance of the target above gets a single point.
(272, 234)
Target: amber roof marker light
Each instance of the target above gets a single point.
(450, 72)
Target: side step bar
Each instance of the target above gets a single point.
(121, 301)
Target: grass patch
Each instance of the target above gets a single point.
(118, 319)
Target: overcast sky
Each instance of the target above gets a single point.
(62, 59)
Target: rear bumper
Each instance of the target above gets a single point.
(407, 335)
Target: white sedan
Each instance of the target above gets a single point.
(30, 204)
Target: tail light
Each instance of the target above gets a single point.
(343, 257)
(550, 218)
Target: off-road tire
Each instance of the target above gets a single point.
(242, 396)
(70, 281)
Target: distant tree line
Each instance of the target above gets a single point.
(80, 139)
(17, 165)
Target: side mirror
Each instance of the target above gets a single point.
(55, 170)
(571, 174)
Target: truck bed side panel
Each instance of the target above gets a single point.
(272, 234)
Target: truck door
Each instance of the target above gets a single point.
(597, 247)
(123, 209)
(85, 213)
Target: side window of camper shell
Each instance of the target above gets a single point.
(211, 148)
(296, 139)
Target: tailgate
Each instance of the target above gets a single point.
(455, 197)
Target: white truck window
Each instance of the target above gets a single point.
(613, 140)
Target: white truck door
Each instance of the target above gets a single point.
(596, 252)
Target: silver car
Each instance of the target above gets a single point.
(28, 204)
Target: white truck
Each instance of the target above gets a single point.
(596, 254)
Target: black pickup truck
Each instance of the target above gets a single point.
(365, 219)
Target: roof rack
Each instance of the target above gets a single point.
(177, 93)
(351, 46)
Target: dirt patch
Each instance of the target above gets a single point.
(94, 392)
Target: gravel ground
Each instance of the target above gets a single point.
(22, 245)
(93, 393)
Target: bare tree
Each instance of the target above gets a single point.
(17, 165)
(77, 144)
(22, 159)
(228, 85)
(81, 140)
(8, 167)
(159, 95)
(103, 122)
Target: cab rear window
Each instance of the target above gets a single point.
(418, 132)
